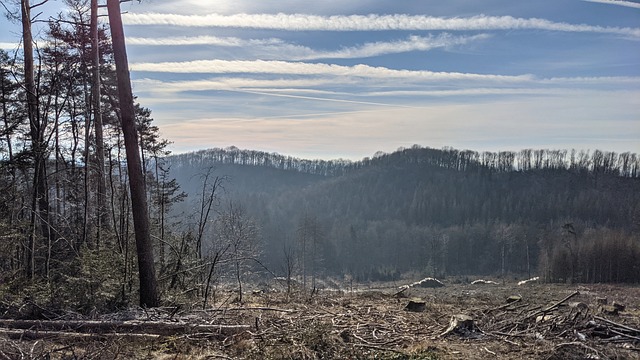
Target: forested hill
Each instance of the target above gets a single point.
(442, 187)
(421, 203)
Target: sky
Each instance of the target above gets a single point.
(345, 79)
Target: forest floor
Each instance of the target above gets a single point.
(541, 321)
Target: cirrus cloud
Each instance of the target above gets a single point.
(201, 40)
(301, 68)
(617, 2)
(372, 22)
(279, 49)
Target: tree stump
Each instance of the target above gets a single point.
(609, 310)
(514, 298)
(602, 300)
(460, 324)
(618, 306)
(416, 305)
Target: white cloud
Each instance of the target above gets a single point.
(202, 40)
(303, 22)
(279, 49)
(495, 124)
(359, 87)
(483, 91)
(8, 46)
(186, 6)
(617, 2)
(248, 6)
(413, 43)
(300, 68)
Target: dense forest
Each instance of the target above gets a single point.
(228, 215)
(566, 215)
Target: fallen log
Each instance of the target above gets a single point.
(553, 306)
(101, 327)
(622, 326)
(483, 282)
(428, 283)
(529, 281)
(21, 334)
(257, 308)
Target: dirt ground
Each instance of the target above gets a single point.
(541, 321)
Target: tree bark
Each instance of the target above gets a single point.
(97, 118)
(40, 201)
(144, 246)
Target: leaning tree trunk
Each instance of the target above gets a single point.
(144, 246)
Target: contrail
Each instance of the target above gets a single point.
(322, 99)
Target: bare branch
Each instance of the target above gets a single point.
(39, 4)
(33, 18)
(57, 21)
(11, 15)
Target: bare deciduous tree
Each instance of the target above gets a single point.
(240, 233)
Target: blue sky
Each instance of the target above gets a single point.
(331, 79)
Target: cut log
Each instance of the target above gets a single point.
(20, 334)
(621, 326)
(545, 318)
(460, 324)
(529, 281)
(578, 305)
(483, 282)
(402, 292)
(514, 298)
(428, 283)
(99, 327)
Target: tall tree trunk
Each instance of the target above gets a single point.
(86, 219)
(40, 201)
(97, 118)
(148, 284)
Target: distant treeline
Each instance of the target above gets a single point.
(625, 164)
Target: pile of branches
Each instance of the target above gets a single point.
(565, 324)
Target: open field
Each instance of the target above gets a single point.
(544, 321)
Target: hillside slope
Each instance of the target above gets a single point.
(432, 211)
